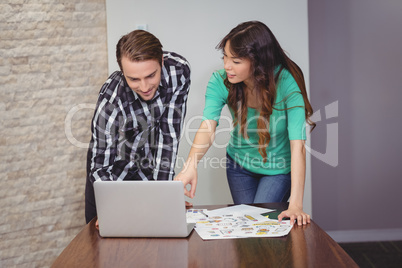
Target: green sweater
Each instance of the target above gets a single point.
(284, 125)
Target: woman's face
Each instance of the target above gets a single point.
(237, 69)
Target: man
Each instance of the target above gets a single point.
(139, 115)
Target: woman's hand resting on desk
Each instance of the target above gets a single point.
(188, 176)
(295, 213)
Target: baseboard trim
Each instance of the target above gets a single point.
(347, 236)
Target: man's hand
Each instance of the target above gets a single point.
(295, 213)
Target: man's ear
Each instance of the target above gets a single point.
(162, 62)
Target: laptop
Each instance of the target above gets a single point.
(141, 209)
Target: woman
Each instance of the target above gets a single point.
(266, 95)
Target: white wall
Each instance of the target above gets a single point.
(193, 29)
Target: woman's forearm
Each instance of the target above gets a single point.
(202, 142)
(298, 172)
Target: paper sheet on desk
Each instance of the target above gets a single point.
(238, 209)
(194, 215)
(250, 225)
(239, 221)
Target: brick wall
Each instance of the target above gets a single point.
(53, 57)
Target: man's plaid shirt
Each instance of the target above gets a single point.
(134, 139)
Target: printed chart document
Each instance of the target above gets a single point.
(239, 221)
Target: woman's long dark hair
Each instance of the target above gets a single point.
(254, 41)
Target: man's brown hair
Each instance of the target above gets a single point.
(139, 45)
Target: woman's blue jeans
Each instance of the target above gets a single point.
(247, 187)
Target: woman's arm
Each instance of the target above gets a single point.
(298, 171)
(202, 141)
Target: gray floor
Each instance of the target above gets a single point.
(375, 254)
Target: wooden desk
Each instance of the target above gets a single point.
(307, 246)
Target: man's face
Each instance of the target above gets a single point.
(143, 77)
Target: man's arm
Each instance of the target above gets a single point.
(103, 149)
(103, 146)
(170, 129)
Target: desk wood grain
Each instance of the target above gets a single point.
(305, 246)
